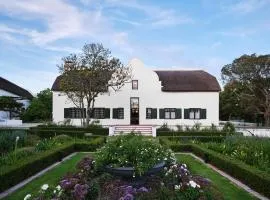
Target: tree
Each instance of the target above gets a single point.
(253, 73)
(40, 108)
(91, 73)
(230, 103)
(10, 105)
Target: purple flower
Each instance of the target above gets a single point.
(143, 189)
(127, 197)
(80, 191)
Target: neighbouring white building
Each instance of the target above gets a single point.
(174, 97)
(21, 95)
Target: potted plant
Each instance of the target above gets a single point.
(133, 155)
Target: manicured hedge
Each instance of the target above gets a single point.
(251, 176)
(74, 132)
(31, 165)
(191, 133)
(184, 139)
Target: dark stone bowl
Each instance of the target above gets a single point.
(128, 172)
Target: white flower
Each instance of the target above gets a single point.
(193, 184)
(185, 166)
(45, 187)
(54, 191)
(28, 196)
(177, 187)
(17, 138)
(165, 168)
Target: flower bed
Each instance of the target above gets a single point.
(174, 182)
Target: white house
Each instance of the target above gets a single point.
(179, 97)
(21, 95)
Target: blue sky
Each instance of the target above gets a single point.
(194, 34)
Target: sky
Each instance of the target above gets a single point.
(192, 34)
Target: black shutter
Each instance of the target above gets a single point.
(178, 113)
(203, 113)
(120, 113)
(161, 114)
(66, 113)
(115, 113)
(186, 113)
(107, 113)
(154, 113)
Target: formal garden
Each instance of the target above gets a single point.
(132, 166)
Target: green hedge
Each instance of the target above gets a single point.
(74, 132)
(191, 133)
(34, 164)
(251, 176)
(183, 139)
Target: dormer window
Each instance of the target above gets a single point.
(134, 84)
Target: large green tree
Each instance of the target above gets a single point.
(230, 103)
(91, 73)
(253, 73)
(9, 104)
(40, 108)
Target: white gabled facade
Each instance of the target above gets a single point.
(149, 95)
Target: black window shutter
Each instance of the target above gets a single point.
(161, 114)
(66, 113)
(115, 113)
(154, 113)
(186, 113)
(178, 113)
(203, 113)
(120, 113)
(107, 113)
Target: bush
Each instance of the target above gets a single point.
(193, 139)
(62, 138)
(8, 137)
(31, 140)
(228, 128)
(46, 132)
(191, 133)
(31, 165)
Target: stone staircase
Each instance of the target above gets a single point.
(146, 130)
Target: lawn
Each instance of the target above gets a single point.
(229, 190)
(51, 177)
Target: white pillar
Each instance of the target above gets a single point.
(154, 131)
(111, 130)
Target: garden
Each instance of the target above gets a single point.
(132, 166)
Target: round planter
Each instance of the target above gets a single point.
(128, 172)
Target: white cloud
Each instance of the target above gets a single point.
(247, 6)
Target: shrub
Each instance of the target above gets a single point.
(132, 151)
(31, 140)
(45, 144)
(8, 137)
(12, 157)
(228, 128)
(164, 127)
(191, 133)
(62, 138)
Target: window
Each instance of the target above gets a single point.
(195, 113)
(99, 113)
(118, 113)
(151, 113)
(74, 113)
(170, 113)
(134, 84)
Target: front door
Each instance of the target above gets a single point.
(134, 110)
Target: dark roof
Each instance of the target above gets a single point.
(188, 81)
(56, 84)
(13, 88)
(178, 81)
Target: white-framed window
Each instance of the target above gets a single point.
(134, 84)
(170, 113)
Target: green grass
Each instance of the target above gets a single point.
(51, 177)
(226, 187)
(228, 190)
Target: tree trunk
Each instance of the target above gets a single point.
(267, 119)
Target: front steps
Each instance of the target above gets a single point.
(146, 130)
